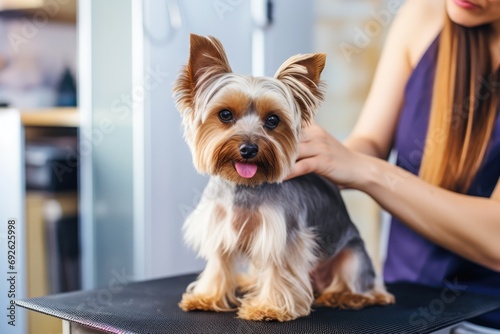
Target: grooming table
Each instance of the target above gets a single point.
(151, 307)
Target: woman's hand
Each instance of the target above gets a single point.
(321, 153)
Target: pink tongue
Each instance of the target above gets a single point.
(246, 170)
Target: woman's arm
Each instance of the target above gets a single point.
(466, 225)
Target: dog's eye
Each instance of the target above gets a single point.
(272, 122)
(226, 116)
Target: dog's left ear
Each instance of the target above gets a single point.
(301, 73)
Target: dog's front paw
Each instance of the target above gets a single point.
(192, 302)
(266, 313)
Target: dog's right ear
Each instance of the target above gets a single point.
(207, 60)
(206, 55)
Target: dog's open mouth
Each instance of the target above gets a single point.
(245, 169)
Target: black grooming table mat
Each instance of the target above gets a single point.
(151, 307)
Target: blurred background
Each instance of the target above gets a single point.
(93, 167)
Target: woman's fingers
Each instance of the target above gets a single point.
(307, 150)
(317, 149)
(300, 168)
(305, 160)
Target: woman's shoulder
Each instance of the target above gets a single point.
(420, 21)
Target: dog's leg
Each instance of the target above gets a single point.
(282, 289)
(246, 281)
(348, 280)
(215, 288)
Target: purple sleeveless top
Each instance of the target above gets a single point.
(411, 257)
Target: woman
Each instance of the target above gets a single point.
(435, 100)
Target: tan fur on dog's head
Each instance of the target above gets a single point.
(206, 87)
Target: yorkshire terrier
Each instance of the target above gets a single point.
(296, 235)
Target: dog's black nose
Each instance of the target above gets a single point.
(248, 151)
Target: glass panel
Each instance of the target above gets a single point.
(106, 141)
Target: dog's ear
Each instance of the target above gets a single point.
(206, 54)
(301, 73)
(207, 60)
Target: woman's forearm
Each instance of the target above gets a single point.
(466, 225)
(365, 146)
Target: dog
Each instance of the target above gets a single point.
(296, 237)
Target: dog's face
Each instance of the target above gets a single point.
(242, 128)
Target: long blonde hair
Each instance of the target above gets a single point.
(464, 107)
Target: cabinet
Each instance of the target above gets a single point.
(35, 257)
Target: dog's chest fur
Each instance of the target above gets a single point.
(245, 222)
(230, 218)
